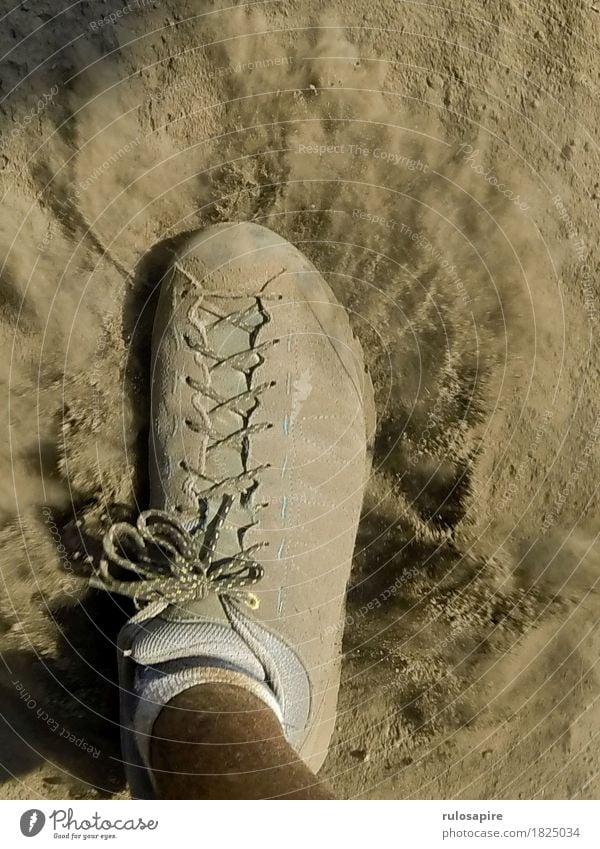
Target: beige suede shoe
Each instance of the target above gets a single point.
(261, 418)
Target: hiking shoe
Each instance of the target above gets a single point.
(261, 418)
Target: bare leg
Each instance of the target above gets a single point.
(218, 741)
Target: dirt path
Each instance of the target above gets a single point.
(440, 167)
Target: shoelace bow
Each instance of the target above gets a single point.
(159, 562)
(163, 563)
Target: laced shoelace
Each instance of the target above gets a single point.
(158, 562)
(162, 563)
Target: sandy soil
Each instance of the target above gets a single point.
(440, 166)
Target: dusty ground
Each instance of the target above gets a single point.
(439, 164)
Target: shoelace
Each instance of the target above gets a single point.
(165, 562)
(204, 389)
